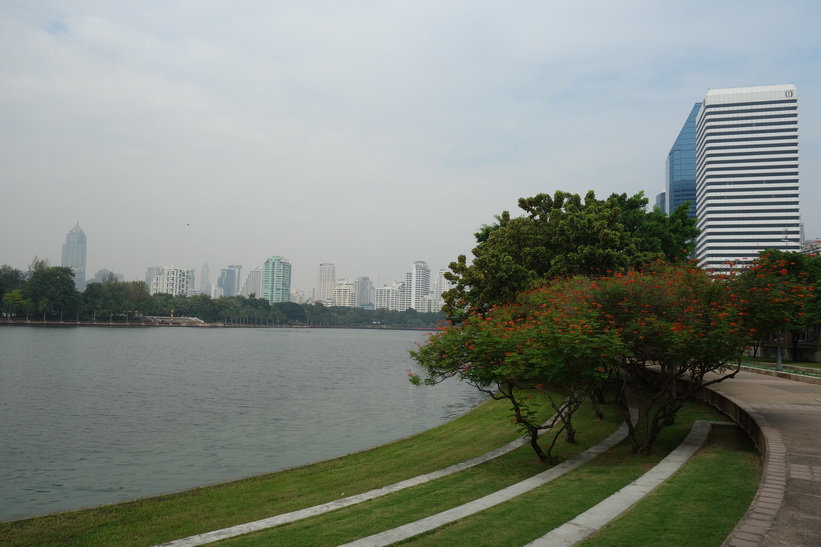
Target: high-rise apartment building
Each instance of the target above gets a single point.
(344, 294)
(325, 282)
(417, 286)
(74, 256)
(276, 280)
(747, 174)
(171, 280)
(680, 168)
(387, 297)
(252, 284)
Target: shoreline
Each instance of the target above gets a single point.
(134, 324)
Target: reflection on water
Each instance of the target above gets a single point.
(96, 415)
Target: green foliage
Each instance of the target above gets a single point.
(10, 279)
(51, 289)
(560, 236)
(570, 333)
(778, 292)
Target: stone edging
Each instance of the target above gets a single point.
(751, 529)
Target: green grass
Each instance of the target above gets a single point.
(700, 505)
(533, 514)
(770, 363)
(163, 518)
(418, 502)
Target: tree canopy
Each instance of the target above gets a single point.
(563, 235)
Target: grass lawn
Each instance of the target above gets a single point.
(728, 463)
(770, 363)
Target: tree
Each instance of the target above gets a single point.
(676, 325)
(52, 288)
(660, 331)
(10, 279)
(562, 236)
(551, 339)
(776, 288)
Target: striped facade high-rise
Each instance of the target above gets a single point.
(747, 175)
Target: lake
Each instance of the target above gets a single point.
(96, 415)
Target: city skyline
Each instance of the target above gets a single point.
(361, 136)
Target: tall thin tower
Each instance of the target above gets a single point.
(325, 282)
(74, 256)
(747, 174)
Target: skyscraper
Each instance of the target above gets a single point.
(363, 287)
(74, 256)
(205, 279)
(276, 280)
(229, 280)
(325, 282)
(253, 283)
(418, 280)
(680, 168)
(747, 174)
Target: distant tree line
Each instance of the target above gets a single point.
(47, 293)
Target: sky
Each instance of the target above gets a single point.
(369, 134)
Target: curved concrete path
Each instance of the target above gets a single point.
(783, 416)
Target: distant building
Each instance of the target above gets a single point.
(205, 279)
(344, 294)
(150, 273)
(229, 280)
(440, 285)
(171, 280)
(680, 168)
(325, 283)
(252, 283)
(363, 289)
(747, 174)
(661, 202)
(74, 256)
(276, 280)
(107, 275)
(417, 286)
(387, 297)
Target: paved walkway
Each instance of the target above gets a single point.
(787, 507)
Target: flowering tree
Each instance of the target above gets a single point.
(675, 323)
(776, 289)
(551, 339)
(661, 331)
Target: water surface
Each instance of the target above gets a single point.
(98, 415)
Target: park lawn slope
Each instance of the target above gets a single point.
(421, 501)
(535, 513)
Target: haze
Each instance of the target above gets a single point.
(367, 134)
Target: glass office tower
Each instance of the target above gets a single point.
(680, 171)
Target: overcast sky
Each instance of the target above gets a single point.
(369, 134)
